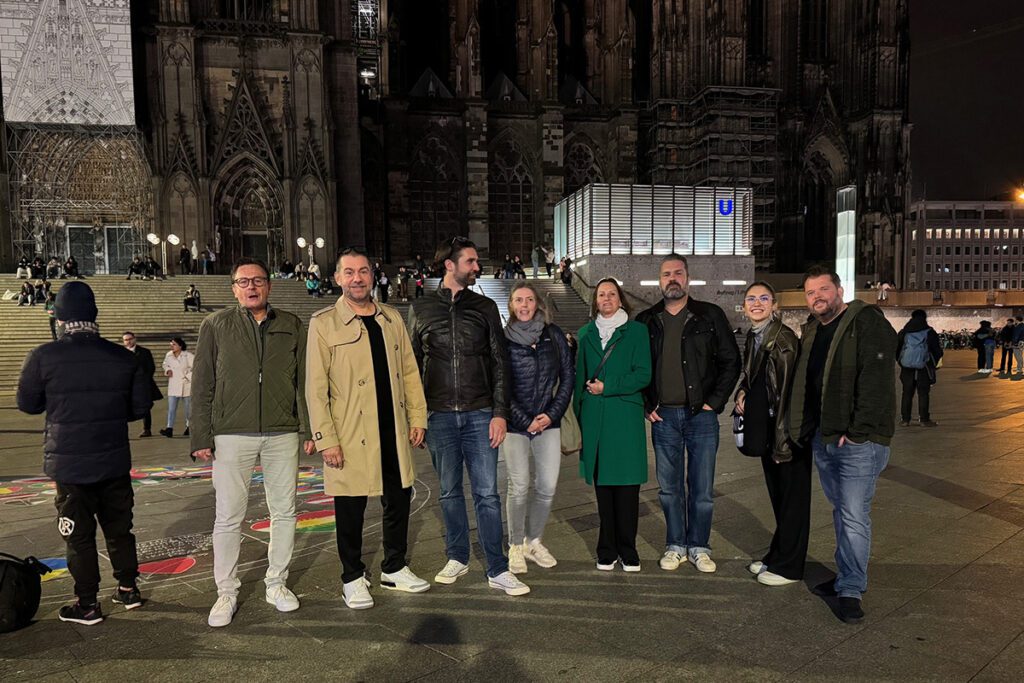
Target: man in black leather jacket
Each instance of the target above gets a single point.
(460, 347)
(696, 364)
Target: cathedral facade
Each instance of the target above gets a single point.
(395, 124)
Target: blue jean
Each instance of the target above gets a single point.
(685, 450)
(172, 409)
(848, 477)
(454, 439)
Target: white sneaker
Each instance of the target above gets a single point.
(451, 572)
(516, 561)
(356, 594)
(507, 581)
(756, 567)
(631, 568)
(535, 552)
(981, 371)
(671, 560)
(223, 611)
(283, 599)
(404, 580)
(607, 567)
(769, 579)
(704, 563)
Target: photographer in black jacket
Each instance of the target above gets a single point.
(90, 389)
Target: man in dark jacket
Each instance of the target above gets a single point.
(90, 390)
(460, 348)
(844, 404)
(918, 352)
(1006, 335)
(145, 357)
(696, 365)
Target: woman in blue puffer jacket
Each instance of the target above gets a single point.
(543, 376)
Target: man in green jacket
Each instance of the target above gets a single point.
(844, 404)
(249, 403)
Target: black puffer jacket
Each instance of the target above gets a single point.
(535, 372)
(460, 347)
(90, 390)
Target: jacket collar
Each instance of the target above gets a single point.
(853, 309)
(694, 307)
(348, 315)
(244, 312)
(593, 337)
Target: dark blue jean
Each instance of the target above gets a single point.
(685, 450)
(848, 475)
(461, 438)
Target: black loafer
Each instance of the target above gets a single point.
(850, 611)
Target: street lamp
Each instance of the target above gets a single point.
(305, 244)
(153, 239)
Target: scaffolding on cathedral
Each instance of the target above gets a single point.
(78, 190)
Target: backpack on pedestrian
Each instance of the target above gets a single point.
(20, 590)
(915, 350)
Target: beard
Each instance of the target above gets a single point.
(674, 292)
(467, 279)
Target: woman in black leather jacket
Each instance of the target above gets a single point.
(763, 401)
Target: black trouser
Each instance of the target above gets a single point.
(53, 327)
(348, 520)
(789, 488)
(1006, 360)
(619, 510)
(982, 359)
(147, 421)
(919, 381)
(79, 506)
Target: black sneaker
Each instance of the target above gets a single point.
(145, 434)
(850, 611)
(169, 432)
(130, 599)
(826, 589)
(76, 614)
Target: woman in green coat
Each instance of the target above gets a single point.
(610, 408)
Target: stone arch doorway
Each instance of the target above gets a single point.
(825, 169)
(248, 215)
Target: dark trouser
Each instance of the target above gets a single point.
(1006, 360)
(981, 356)
(348, 519)
(79, 506)
(147, 421)
(53, 327)
(619, 510)
(919, 381)
(789, 488)
(419, 291)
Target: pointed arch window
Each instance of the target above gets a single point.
(435, 196)
(814, 30)
(510, 201)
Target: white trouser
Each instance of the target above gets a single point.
(234, 459)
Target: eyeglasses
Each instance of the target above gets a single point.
(244, 282)
(764, 299)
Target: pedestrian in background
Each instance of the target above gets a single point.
(177, 367)
(918, 353)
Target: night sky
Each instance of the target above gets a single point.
(966, 98)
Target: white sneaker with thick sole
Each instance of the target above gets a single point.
(404, 580)
(704, 563)
(451, 572)
(516, 561)
(507, 581)
(356, 594)
(756, 567)
(223, 611)
(535, 552)
(283, 599)
(671, 560)
(631, 568)
(769, 579)
(606, 567)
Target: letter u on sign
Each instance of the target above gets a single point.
(725, 206)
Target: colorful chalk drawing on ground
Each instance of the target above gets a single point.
(320, 520)
(58, 568)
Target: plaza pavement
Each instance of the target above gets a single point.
(946, 598)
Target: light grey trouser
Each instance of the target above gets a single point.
(546, 449)
(235, 457)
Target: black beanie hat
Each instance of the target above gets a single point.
(75, 303)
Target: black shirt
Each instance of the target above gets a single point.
(382, 380)
(816, 370)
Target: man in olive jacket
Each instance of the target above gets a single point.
(249, 404)
(844, 404)
(367, 411)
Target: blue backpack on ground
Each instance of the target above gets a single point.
(915, 350)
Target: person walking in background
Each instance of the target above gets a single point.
(248, 386)
(918, 352)
(843, 404)
(536, 254)
(1018, 344)
(549, 260)
(90, 390)
(1005, 339)
(177, 368)
(984, 340)
(696, 362)
(148, 365)
(367, 412)
(194, 253)
(613, 367)
(542, 381)
(762, 401)
(51, 314)
(184, 261)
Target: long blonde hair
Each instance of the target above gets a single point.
(542, 305)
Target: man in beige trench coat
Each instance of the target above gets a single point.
(367, 412)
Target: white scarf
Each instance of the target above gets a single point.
(606, 326)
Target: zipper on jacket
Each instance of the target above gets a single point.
(257, 334)
(455, 354)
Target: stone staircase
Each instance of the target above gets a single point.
(153, 310)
